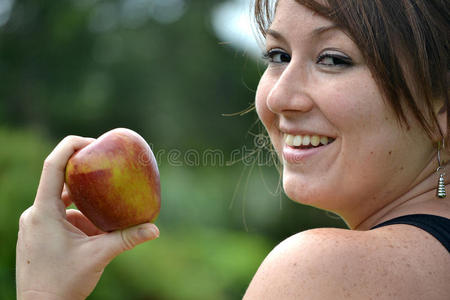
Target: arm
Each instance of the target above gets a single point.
(60, 254)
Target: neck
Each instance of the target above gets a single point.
(420, 199)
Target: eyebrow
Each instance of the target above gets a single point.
(315, 33)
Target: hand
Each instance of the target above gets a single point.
(60, 253)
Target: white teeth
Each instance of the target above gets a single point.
(289, 140)
(315, 140)
(297, 140)
(305, 140)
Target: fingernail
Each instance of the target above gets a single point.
(149, 231)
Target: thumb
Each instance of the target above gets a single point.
(116, 242)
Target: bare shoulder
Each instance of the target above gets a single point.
(395, 262)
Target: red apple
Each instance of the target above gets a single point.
(114, 181)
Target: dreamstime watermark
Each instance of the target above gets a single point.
(260, 154)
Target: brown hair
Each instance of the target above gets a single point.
(401, 40)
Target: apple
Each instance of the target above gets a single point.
(114, 181)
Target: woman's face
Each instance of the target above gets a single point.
(318, 92)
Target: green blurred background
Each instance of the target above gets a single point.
(166, 69)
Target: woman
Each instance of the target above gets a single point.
(355, 101)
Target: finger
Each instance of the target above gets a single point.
(80, 221)
(65, 196)
(52, 177)
(112, 244)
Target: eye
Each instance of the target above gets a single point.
(334, 59)
(276, 56)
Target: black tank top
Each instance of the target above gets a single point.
(437, 226)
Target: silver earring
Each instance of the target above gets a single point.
(440, 192)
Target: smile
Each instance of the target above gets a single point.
(306, 141)
(300, 148)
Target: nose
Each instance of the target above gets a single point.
(289, 94)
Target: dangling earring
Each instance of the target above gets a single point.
(440, 192)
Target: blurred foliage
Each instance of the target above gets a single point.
(192, 263)
(155, 66)
(65, 71)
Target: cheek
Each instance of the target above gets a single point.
(266, 116)
(354, 105)
(367, 126)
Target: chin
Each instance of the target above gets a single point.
(310, 192)
(299, 190)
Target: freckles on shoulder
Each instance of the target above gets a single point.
(299, 267)
(333, 263)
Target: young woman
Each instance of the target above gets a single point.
(354, 100)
